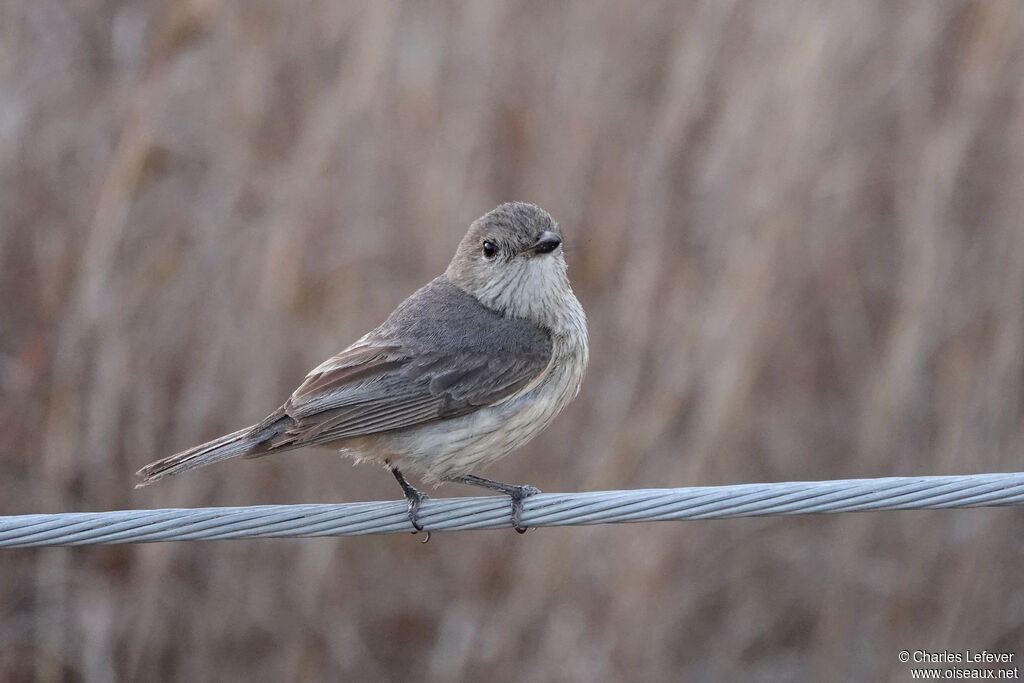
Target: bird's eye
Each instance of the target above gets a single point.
(490, 249)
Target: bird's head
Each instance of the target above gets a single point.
(512, 261)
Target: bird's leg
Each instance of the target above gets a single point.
(414, 497)
(516, 493)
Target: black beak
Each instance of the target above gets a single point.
(546, 243)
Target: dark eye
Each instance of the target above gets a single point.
(490, 249)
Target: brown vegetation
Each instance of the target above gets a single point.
(798, 231)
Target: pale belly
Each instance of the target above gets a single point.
(465, 444)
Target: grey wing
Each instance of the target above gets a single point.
(379, 385)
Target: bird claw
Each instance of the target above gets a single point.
(414, 500)
(516, 493)
(518, 496)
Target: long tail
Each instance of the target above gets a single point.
(248, 441)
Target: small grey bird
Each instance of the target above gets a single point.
(467, 369)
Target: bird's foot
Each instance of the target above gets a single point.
(414, 498)
(517, 496)
(517, 493)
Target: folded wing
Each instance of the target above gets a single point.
(419, 367)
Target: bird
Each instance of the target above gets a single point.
(469, 368)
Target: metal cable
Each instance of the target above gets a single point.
(545, 509)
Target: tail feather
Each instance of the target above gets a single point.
(242, 442)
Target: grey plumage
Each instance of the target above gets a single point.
(465, 370)
(440, 355)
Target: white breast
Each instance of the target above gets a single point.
(469, 443)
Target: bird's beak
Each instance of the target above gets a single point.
(545, 244)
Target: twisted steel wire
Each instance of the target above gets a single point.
(545, 509)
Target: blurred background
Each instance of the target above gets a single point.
(797, 232)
